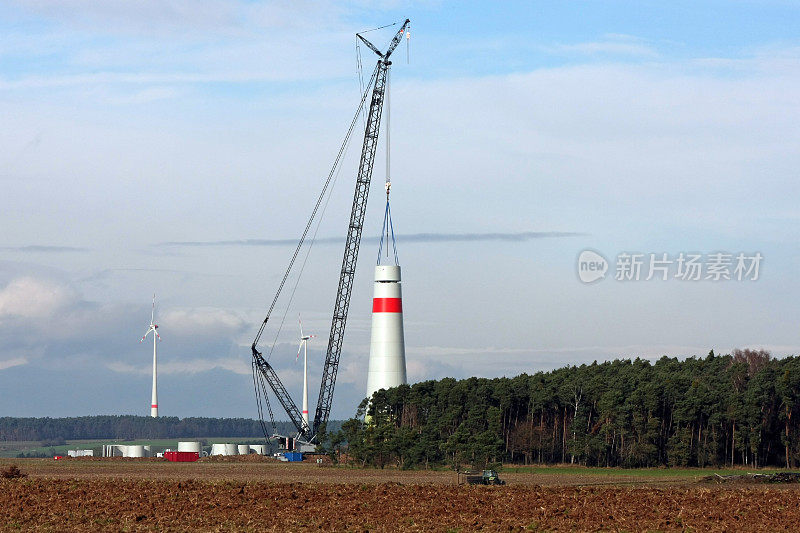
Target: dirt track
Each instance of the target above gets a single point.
(113, 495)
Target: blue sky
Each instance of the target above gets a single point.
(145, 142)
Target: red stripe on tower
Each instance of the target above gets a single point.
(154, 406)
(387, 305)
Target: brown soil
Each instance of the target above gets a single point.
(147, 495)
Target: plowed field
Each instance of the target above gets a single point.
(97, 495)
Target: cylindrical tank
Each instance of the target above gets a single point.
(260, 449)
(387, 351)
(134, 450)
(243, 449)
(231, 449)
(189, 446)
(218, 449)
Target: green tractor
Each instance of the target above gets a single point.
(488, 477)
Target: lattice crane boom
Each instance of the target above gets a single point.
(352, 244)
(354, 229)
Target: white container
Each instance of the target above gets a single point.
(231, 449)
(81, 453)
(260, 449)
(243, 449)
(218, 449)
(135, 450)
(189, 446)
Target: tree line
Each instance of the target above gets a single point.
(736, 409)
(128, 427)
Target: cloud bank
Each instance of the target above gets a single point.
(524, 236)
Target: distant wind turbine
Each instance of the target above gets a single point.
(154, 329)
(304, 348)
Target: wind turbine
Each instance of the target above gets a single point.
(154, 329)
(304, 348)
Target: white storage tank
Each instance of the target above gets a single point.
(231, 449)
(260, 449)
(189, 446)
(243, 449)
(135, 450)
(218, 449)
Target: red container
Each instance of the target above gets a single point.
(181, 457)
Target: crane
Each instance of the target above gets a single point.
(262, 370)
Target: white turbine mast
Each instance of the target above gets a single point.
(153, 328)
(304, 348)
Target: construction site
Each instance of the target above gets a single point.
(552, 388)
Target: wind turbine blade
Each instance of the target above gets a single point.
(299, 349)
(301, 325)
(157, 335)
(144, 336)
(153, 312)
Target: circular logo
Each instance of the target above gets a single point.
(591, 266)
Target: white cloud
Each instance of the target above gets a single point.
(177, 17)
(416, 370)
(150, 94)
(9, 363)
(203, 322)
(143, 15)
(184, 366)
(226, 75)
(611, 46)
(627, 143)
(33, 298)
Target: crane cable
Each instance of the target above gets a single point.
(360, 71)
(408, 44)
(380, 27)
(386, 231)
(261, 398)
(388, 227)
(338, 169)
(258, 379)
(330, 177)
(305, 259)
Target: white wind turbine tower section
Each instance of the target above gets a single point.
(153, 329)
(304, 348)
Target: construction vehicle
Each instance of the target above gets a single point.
(488, 477)
(263, 372)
